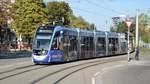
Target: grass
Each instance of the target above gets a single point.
(145, 51)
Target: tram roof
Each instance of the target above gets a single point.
(112, 35)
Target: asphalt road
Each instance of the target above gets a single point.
(131, 73)
(23, 71)
(138, 73)
(93, 71)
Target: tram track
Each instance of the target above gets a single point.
(88, 66)
(65, 76)
(52, 74)
(19, 70)
(75, 68)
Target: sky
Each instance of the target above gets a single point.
(100, 12)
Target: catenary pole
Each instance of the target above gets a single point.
(137, 37)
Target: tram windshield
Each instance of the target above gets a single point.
(42, 41)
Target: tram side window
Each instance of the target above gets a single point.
(84, 43)
(70, 44)
(66, 41)
(87, 43)
(57, 43)
(73, 43)
(101, 44)
(91, 44)
(116, 44)
(111, 44)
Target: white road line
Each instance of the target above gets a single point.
(96, 74)
(104, 70)
(93, 80)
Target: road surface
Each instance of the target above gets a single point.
(23, 71)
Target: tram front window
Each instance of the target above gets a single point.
(42, 42)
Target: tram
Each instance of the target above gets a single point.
(60, 44)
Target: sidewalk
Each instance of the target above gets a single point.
(14, 53)
(94, 74)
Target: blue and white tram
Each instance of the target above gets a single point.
(60, 44)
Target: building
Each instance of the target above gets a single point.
(117, 20)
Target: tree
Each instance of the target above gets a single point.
(79, 22)
(143, 27)
(5, 14)
(58, 13)
(92, 27)
(29, 14)
(112, 29)
(5, 11)
(121, 27)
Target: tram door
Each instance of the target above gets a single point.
(100, 47)
(113, 46)
(57, 47)
(70, 46)
(87, 47)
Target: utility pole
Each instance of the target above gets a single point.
(137, 36)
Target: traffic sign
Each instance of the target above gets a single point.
(128, 23)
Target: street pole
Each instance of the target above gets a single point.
(128, 23)
(137, 37)
(128, 44)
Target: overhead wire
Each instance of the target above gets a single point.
(100, 6)
(118, 8)
(90, 12)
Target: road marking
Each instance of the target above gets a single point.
(104, 70)
(94, 78)
(96, 74)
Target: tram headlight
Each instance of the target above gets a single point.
(44, 52)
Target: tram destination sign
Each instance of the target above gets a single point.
(44, 30)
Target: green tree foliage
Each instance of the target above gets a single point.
(143, 27)
(5, 11)
(112, 29)
(79, 22)
(58, 13)
(121, 27)
(92, 27)
(29, 14)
